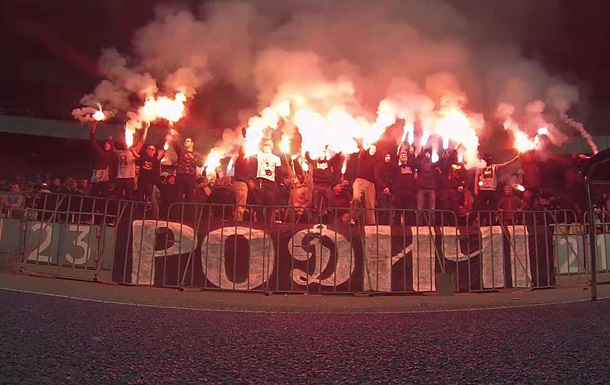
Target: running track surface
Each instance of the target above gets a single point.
(57, 340)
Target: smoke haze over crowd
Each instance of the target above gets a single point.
(346, 53)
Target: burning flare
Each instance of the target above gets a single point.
(129, 133)
(285, 145)
(171, 110)
(99, 114)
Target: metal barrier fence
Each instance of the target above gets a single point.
(294, 250)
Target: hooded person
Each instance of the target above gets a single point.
(385, 189)
(364, 184)
(104, 165)
(426, 186)
(323, 170)
(403, 179)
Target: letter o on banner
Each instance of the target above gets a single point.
(214, 259)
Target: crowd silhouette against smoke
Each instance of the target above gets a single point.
(439, 81)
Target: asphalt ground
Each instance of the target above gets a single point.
(66, 332)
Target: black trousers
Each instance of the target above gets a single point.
(124, 188)
(186, 187)
(145, 189)
(265, 196)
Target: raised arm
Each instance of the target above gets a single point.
(501, 165)
(477, 175)
(96, 146)
(138, 147)
(161, 154)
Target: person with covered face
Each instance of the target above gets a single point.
(364, 184)
(186, 169)
(265, 185)
(150, 171)
(485, 185)
(403, 178)
(453, 173)
(384, 186)
(104, 165)
(427, 171)
(323, 169)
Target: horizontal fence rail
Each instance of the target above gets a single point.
(295, 249)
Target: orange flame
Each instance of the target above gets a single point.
(285, 145)
(129, 133)
(212, 161)
(163, 107)
(99, 114)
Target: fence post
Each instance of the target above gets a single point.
(592, 240)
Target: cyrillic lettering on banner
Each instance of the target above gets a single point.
(331, 253)
(256, 251)
(152, 239)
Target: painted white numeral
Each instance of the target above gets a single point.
(83, 231)
(38, 254)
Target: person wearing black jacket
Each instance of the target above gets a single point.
(383, 184)
(150, 171)
(426, 187)
(104, 166)
(364, 184)
(453, 174)
(323, 175)
(403, 179)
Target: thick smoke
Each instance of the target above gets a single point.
(345, 55)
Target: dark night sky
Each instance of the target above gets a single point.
(50, 49)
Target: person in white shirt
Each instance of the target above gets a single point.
(265, 184)
(125, 183)
(485, 185)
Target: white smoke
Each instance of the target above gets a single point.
(563, 97)
(339, 57)
(85, 114)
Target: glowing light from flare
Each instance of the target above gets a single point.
(99, 114)
(519, 187)
(163, 107)
(543, 131)
(344, 167)
(285, 145)
(435, 157)
(304, 165)
(129, 133)
(269, 118)
(522, 143)
(408, 133)
(212, 162)
(454, 124)
(424, 139)
(460, 157)
(166, 146)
